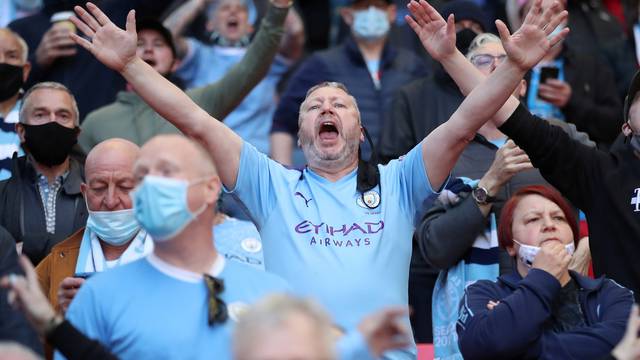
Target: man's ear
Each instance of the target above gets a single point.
(392, 12)
(175, 65)
(26, 69)
(523, 88)
(626, 129)
(347, 15)
(83, 189)
(214, 190)
(20, 131)
(361, 134)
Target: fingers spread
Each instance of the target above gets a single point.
(102, 18)
(87, 18)
(83, 27)
(559, 37)
(82, 42)
(131, 22)
(503, 31)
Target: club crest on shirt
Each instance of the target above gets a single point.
(236, 310)
(251, 245)
(370, 200)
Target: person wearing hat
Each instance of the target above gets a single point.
(604, 184)
(131, 119)
(339, 230)
(366, 62)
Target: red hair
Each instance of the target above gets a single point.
(505, 233)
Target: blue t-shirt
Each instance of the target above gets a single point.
(239, 240)
(151, 310)
(251, 120)
(322, 238)
(9, 141)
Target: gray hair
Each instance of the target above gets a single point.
(53, 86)
(271, 313)
(480, 40)
(23, 44)
(331, 84)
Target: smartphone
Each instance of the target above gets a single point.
(548, 72)
(83, 275)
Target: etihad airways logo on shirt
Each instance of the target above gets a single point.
(344, 235)
(635, 199)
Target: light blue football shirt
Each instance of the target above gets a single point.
(239, 240)
(149, 309)
(322, 238)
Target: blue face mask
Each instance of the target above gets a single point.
(370, 24)
(113, 227)
(160, 205)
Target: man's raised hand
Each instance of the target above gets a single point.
(112, 46)
(437, 35)
(527, 46)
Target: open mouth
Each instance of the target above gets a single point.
(328, 131)
(233, 24)
(151, 62)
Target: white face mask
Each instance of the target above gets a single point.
(527, 253)
(370, 24)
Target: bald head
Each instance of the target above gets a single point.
(183, 153)
(177, 157)
(109, 153)
(109, 175)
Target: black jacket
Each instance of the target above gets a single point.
(604, 185)
(13, 324)
(416, 110)
(22, 213)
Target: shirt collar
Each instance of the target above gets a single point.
(182, 274)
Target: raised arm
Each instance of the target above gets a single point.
(442, 147)
(116, 48)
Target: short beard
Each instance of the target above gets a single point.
(316, 158)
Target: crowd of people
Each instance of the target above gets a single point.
(219, 179)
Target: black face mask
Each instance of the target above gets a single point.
(50, 143)
(464, 38)
(10, 80)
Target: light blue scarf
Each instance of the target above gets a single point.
(481, 263)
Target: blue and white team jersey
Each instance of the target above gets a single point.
(239, 240)
(9, 141)
(149, 309)
(322, 238)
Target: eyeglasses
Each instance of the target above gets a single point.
(217, 308)
(483, 61)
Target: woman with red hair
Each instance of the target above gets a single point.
(542, 310)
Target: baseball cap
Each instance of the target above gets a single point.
(154, 24)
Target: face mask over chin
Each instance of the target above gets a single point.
(370, 24)
(464, 38)
(527, 253)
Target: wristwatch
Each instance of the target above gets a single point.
(481, 196)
